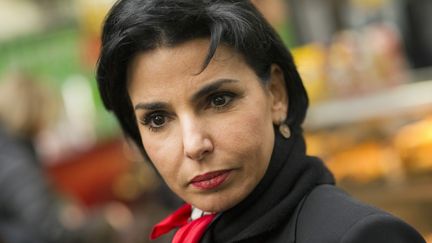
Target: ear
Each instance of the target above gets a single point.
(278, 93)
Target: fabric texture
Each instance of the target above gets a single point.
(330, 215)
(290, 176)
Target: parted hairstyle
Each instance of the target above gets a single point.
(136, 26)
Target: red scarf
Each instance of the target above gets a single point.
(189, 231)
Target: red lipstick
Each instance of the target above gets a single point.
(210, 180)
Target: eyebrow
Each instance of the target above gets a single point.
(151, 106)
(210, 88)
(207, 89)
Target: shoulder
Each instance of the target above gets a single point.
(328, 214)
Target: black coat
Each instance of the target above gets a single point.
(329, 215)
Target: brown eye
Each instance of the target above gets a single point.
(157, 121)
(220, 100)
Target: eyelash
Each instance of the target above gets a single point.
(227, 95)
(148, 118)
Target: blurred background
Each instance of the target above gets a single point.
(367, 65)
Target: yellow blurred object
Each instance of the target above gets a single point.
(414, 143)
(310, 61)
(314, 145)
(327, 143)
(429, 238)
(366, 162)
(93, 14)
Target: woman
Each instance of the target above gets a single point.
(211, 96)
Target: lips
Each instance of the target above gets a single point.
(210, 180)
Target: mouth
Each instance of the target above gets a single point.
(211, 180)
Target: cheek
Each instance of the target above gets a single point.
(249, 133)
(253, 123)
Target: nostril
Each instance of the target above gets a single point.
(201, 156)
(199, 149)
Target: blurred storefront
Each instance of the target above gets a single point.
(367, 65)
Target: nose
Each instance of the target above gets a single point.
(197, 143)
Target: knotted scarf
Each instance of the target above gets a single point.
(189, 231)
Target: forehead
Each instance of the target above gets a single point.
(160, 69)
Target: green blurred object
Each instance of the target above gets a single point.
(54, 57)
(286, 33)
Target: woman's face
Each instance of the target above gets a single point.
(210, 133)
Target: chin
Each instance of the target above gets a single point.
(215, 203)
(214, 207)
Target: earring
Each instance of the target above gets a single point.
(285, 130)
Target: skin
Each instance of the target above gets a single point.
(193, 122)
